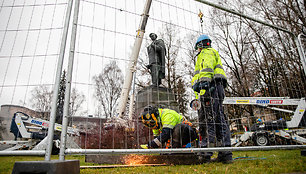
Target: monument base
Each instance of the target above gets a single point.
(156, 96)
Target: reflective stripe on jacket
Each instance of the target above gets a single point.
(208, 67)
(169, 118)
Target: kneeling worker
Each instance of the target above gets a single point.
(167, 124)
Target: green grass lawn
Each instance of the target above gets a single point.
(276, 161)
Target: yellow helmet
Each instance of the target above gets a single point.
(150, 117)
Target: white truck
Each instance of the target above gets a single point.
(31, 133)
(268, 132)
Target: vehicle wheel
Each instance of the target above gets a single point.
(261, 140)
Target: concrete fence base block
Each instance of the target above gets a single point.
(47, 167)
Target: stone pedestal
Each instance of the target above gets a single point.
(155, 96)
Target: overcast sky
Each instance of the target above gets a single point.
(31, 30)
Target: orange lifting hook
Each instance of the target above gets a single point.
(200, 16)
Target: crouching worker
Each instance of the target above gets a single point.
(167, 126)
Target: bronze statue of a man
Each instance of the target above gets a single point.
(156, 51)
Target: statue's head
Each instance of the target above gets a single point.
(153, 36)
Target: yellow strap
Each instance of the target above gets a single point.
(144, 146)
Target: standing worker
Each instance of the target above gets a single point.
(166, 125)
(208, 83)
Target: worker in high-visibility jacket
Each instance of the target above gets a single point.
(208, 83)
(166, 125)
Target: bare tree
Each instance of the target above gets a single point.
(41, 99)
(232, 37)
(190, 53)
(142, 74)
(76, 101)
(260, 59)
(172, 42)
(108, 85)
(281, 72)
(175, 76)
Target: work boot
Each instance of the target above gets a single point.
(203, 158)
(223, 159)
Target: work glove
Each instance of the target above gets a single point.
(197, 87)
(144, 146)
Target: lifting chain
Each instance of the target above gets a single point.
(201, 19)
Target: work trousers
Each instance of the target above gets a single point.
(214, 128)
(182, 135)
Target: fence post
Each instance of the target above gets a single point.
(57, 83)
(68, 81)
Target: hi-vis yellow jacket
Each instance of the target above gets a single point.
(208, 67)
(169, 119)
